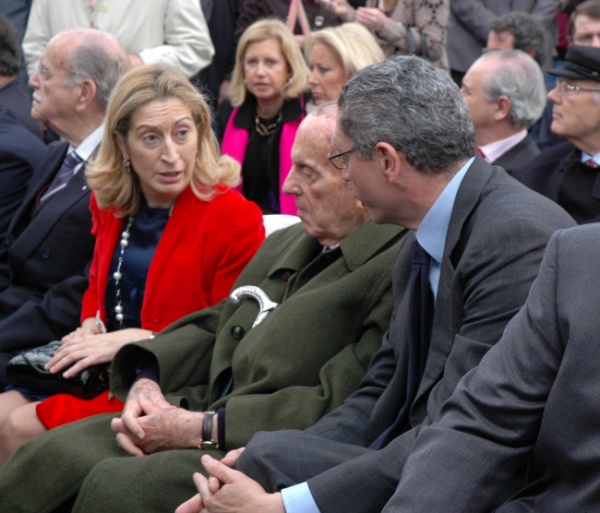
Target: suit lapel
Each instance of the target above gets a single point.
(42, 176)
(75, 191)
(467, 199)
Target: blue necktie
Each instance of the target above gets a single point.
(420, 312)
(65, 173)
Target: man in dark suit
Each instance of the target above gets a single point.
(534, 396)
(20, 153)
(568, 173)
(48, 246)
(406, 141)
(505, 93)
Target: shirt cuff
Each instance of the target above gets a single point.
(298, 499)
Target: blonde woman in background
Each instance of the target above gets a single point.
(258, 125)
(402, 27)
(334, 54)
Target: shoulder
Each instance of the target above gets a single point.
(553, 154)
(503, 207)
(229, 209)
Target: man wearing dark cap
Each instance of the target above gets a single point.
(568, 173)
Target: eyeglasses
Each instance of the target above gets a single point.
(340, 160)
(565, 87)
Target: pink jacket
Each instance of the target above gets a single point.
(235, 140)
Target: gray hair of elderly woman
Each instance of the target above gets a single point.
(519, 78)
(412, 105)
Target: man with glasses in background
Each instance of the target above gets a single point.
(567, 173)
(49, 243)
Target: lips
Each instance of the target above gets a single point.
(170, 176)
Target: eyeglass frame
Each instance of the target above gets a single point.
(344, 165)
(565, 87)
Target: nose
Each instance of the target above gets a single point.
(554, 95)
(290, 185)
(34, 81)
(170, 153)
(312, 78)
(345, 174)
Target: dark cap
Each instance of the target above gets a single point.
(582, 62)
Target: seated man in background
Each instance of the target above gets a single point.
(49, 244)
(518, 30)
(568, 173)
(408, 141)
(505, 93)
(312, 310)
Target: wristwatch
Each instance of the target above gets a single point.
(207, 442)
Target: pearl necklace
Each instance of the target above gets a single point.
(117, 274)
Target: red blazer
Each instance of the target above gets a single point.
(204, 247)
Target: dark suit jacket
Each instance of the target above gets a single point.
(496, 238)
(558, 174)
(43, 261)
(20, 153)
(534, 395)
(515, 160)
(470, 24)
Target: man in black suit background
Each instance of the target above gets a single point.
(568, 172)
(48, 246)
(505, 93)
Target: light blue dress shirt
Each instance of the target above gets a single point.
(431, 234)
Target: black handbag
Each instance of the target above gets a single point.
(27, 371)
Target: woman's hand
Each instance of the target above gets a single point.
(84, 348)
(88, 328)
(371, 18)
(340, 7)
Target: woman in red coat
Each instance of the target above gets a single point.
(171, 238)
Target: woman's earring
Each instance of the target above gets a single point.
(127, 165)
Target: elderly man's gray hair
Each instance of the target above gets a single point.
(412, 105)
(520, 79)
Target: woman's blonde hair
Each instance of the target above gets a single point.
(118, 189)
(270, 28)
(353, 44)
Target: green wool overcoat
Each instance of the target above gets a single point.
(299, 363)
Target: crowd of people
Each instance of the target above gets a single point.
(421, 338)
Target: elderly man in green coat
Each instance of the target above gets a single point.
(312, 307)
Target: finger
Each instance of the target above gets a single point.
(192, 505)
(127, 445)
(214, 485)
(201, 484)
(130, 418)
(231, 458)
(216, 469)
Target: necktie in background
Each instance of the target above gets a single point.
(420, 312)
(65, 173)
